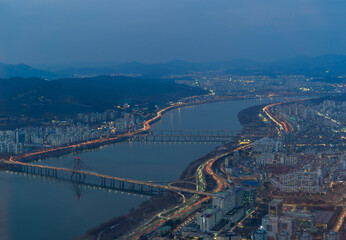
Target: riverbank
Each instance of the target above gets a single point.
(188, 118)
(56, 152)
(124, 224)
(59, 151)
(135, 160)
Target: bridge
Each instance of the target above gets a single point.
(186, 136)
(81, 186)
(105, 181)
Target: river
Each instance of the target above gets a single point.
(43, 208)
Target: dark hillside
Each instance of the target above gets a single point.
(38, 97)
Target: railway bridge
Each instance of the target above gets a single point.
(185, 136)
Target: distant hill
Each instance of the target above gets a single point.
(148, 70)
(326, 68)
(22, 70)
(38, 97)
(321, 65)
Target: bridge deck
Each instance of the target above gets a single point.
(169, 188)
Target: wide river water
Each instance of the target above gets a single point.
(43, 208)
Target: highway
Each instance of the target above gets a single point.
(182, 210)
(191, 205)
(283, 126)
(187, 208)
(146, 126)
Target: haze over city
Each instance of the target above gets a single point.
(172, 119)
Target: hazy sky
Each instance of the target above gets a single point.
(68, 31)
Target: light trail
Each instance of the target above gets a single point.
(282, 124)
(146, 126)
(184, 210)
(340, 221)
(150, 184)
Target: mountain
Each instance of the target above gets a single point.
(320, 65)
(22, 70)
(327, 67)
(37, 97)
(148, 70)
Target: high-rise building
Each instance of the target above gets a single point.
(271, 225)
(286, 224)
(228, 200)
(238, 194)
(20, 137)
(249, 196)
(223, 201)
(275, 207)
(332, 235)
(300, 181)
(208, 219)
(283, 235)
(302, 221)
(260, 234)
(277, 224)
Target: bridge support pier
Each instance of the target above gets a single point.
(103, 182)
(121, 185)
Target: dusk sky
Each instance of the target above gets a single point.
(115, 31)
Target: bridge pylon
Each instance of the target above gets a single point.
(76, 172)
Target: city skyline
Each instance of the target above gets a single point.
(172, 119)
